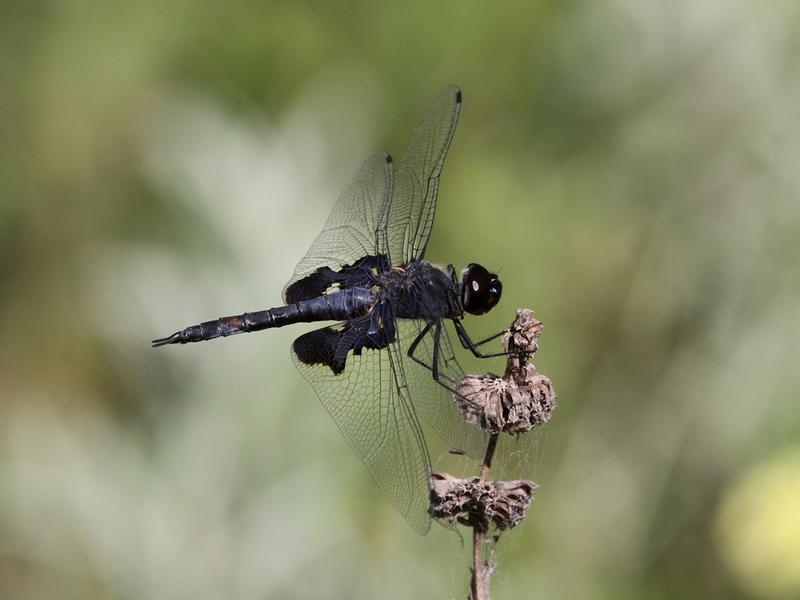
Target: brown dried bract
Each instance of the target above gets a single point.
(502, 404)
(520, 400)
(480, 504)
(523, 335)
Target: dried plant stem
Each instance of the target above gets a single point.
(515, 403)
(477, 570)
(487, 458)
(478, 584)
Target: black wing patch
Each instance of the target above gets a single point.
(362, 273)
(329, 346)
(319, 347)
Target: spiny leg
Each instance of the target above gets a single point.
(434, 367)
(467, 342)
(494, 336)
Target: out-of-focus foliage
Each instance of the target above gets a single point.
(759, 526)
(630, 166)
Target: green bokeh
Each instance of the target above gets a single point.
(631, 167)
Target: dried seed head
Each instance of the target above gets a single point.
(534, 400)
(479, 504)
(480, 398)
(523, 335)
(513, 499)
(517, 402)
(512, 405)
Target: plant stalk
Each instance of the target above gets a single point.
(477, 585)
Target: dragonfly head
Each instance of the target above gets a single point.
(480, 290)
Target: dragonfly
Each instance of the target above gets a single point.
(387, 361)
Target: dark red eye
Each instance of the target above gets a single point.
(480, 290)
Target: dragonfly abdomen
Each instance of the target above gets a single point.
(340, 306)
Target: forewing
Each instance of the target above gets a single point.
(417, 178)
(369, 402)
(354, 226)
(433, 402)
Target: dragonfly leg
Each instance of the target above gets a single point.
(434, 367)
(472, 346)
(437, 333)
(416, 342)
(494, 336)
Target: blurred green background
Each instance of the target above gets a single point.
(632, 169)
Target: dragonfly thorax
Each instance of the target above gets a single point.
(422, 291)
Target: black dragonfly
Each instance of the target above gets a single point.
(389, 359)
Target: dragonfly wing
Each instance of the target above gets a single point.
(355, 229)
(369, 401)
(417, 179)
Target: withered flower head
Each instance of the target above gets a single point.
(480, 504)
(520, 400)
(512, 405)
(523, 335)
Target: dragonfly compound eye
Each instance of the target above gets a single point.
(480, 289)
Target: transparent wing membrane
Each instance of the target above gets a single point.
(352, 229)
(383, 213)
(370, 404)
(417, 178)
(434, 402)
